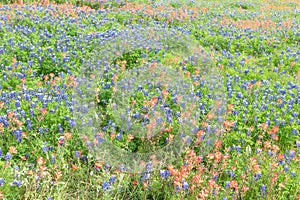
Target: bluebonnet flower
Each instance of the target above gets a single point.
(105, 186)
(44, 148)
(291, 154)
(61, 140)
(238, 148)
(72, 122)
(295, 131)
(234, 112)
(185, 186)
(60, 129)
(293, 174)
(255, 118)
(119, 136)
(227, 184)
(286, 168)
(122, 168)
(164, 173)
(146, 176)
(7, 156)
(231, 173)
(107, 166)
(2, 182)
(263, 190)
(257, 176)
(52, 161)
(149, 167)
(77, 154)
(112, 179)
(258, 150)
(17, 183)
(84, 158)
(270, 153)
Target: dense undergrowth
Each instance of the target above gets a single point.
(254, 46)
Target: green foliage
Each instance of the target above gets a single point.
(132, 58)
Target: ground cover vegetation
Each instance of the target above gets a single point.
(253, 46)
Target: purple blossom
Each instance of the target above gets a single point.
(2, 182)
(8, 156)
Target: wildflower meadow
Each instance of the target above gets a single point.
(149, 99)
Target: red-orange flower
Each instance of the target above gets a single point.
(10, 114)
(98, 165)
(46, 77)
(218, 143)
(298, 77)
(250, 86)
(134, 182)
(12, 149)
(210, 156)
(133, 102)
(218, 156)
(281, 157)
(43, 168)
(230, 107)
(154, 101)
(229, 124)
(29, 172)
(130, 137)
(245, 189)
(264, 126)
(197, 179)
(74, 167)
(234, 184)
(211, 183)
(41, 160)
(165, 93)
(275, 129)
(58, 174)
(68, 135)
(44, 111)
(145, 184)
(243, 176)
